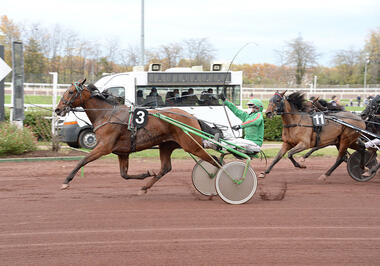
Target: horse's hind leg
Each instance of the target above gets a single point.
(166, 150)
(339, 160)
(341, 157)
(307, 155)
(360, 147)
(124, 164)
(303, 158)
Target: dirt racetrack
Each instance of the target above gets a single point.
(101, 220)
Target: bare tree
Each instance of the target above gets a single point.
(70, 43)
(199, 51)
(130, 56)
(55, 40)
(171, 54)
(372, 51)
(112, 49)
(300, 55)
(346, 63)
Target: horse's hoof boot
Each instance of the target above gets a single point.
(322, 178)
(142, 192)
(261, 175)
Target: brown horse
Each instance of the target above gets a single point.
(298, 132)
(110, 122)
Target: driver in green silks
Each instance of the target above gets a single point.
(252, 124)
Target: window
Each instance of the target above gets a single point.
(118, 92)
(186, 95)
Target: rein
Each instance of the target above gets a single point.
(111, 122)
(79, 88)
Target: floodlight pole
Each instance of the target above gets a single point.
(2, 89)
(142, 49)
(365, 73)
(53, 116)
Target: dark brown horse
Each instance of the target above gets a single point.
(371, 115)
(298, 133)
(110, 122)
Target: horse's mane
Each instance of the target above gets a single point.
(297, 100)
(109, 98)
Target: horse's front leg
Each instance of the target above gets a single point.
(298, 148)
(96, 153)
(284, 148)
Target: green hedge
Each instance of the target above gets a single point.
(14, 140)
(36, 121)
(273, 128)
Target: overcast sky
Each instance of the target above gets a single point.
(330, 25)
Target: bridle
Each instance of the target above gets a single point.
(68, 103)
(371, 111)
(278, 101)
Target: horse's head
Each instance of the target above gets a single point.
(276, 104)
(73, 97)
(372, 108)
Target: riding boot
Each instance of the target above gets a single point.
(209, 145)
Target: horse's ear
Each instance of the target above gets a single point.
(92, 87)
(316, 99)
(283, 93)
(83, 81)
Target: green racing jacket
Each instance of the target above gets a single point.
(253, 123)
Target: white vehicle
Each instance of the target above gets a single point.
(172, 87)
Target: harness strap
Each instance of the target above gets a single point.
(317, 130)
(296, 125)
(133, 139)
(109, 122)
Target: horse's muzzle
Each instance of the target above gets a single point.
(269, 114)
(61, 112)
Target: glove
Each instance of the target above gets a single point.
(222, 97)
(237, 127)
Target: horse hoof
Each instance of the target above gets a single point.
(302, 166)
(64, 186)
(261, 175)
(142, 192)
(302, 160)
(322, 178)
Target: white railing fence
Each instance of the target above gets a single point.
(261, 93)
(324, 93)
(38, 88)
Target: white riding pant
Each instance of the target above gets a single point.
(372, 143)
(249, 145)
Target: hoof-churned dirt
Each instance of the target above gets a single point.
(101, 220)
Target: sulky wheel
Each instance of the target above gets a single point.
(203, 177)
(353, 165)
(229, 190)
